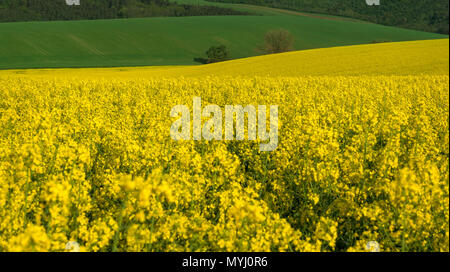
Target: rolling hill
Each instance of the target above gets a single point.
(174, 40)
(425, 15)
(401, 58)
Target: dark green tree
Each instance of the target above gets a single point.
(217, 54)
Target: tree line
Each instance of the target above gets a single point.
(425, 15)
(51, 10)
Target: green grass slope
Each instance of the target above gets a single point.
(262, 10)
(172, 41)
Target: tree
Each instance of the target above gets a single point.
(278, 41)
(217, 54)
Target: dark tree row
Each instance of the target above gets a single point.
(426, 15)
(50, 10)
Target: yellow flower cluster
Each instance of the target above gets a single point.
(359, 159)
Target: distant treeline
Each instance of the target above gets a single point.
(50, 10)
(426, 15)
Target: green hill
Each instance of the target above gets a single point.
(425, 15)
(173, 40)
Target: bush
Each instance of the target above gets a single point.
(217, 54)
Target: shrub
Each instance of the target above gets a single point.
(217, 54)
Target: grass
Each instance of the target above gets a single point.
(173, 41)
(264, 10)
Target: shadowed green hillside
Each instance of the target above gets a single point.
(172, 41)
(425, 15)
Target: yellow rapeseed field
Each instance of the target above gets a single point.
(363, 155)
(400, 58)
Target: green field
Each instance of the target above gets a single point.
(175, 41)
(261, 10)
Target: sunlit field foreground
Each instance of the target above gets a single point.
(86, 156)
